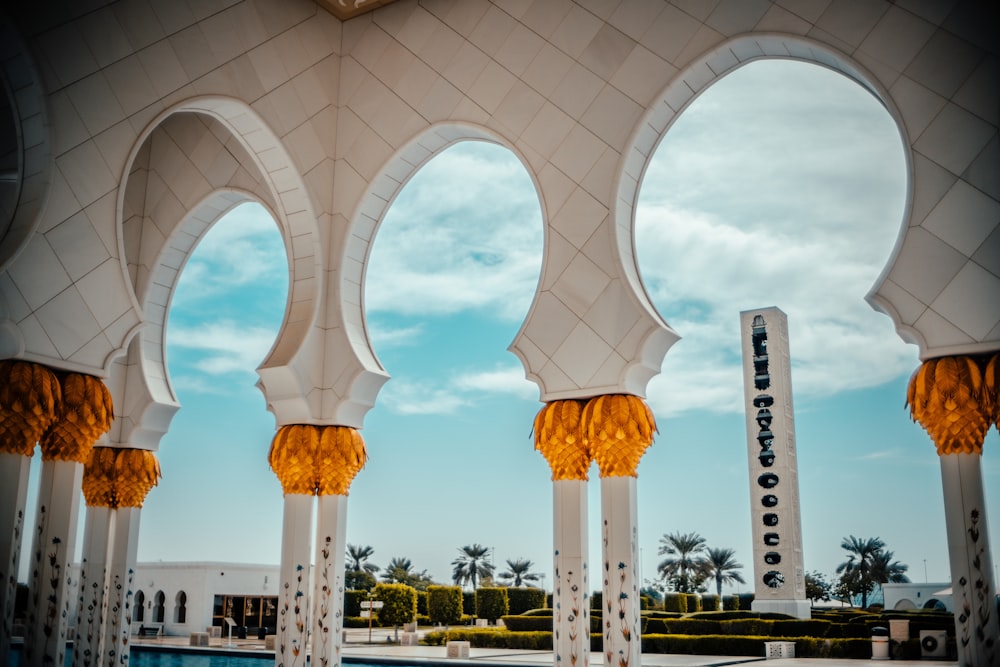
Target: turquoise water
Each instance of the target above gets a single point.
(141, 658)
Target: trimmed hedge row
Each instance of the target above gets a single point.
(525, 599)
(854, 649)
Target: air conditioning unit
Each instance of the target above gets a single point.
(933, 644)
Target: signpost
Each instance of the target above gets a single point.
(230, 622)
(366, 612)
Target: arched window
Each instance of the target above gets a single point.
(180, 607)
(139, 611)
(159, 602)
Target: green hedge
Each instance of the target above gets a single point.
(525, 599)
(399, 603)
(528, 623)
(711, 602)
(422, 603)
(492, 638)
(730, 602)
(352, 602)
(597, 600)
(676, 602)
(853, 649)
(546, 611)
(469, 603)
(492, 603)
(444, 604)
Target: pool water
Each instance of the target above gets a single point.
(143, 658)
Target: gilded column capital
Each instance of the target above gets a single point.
(317, 460)
(955, 400)
(618, 429)
(119, 476)
(84, 414)
(559, 437)
(30, 395)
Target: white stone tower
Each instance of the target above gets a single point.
(779, 575)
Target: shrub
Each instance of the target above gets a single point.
(352, 602)
(746, 601)
(491, 603)
(469, 603)
(710, 602)
(674, 602)
(399, 603)
(422, 603)
(596, 600)
(730, 602)
(492, 638)
(444, 604)
(693, 603)
(546, 611)
(524, 599)
(528, 623)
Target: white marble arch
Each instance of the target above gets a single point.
(923, 309)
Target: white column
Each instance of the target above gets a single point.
(14, 470)
(93, 588)
(571, 594)
(621, 607)
(977, 629)
(293, 595)
(328, 581)
(121, 580)
(53, 547)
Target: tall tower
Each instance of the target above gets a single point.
(779, 574)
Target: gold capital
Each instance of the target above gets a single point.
(618, 430)
(84, 414)
(559, 438)
(317, 460)
(955, 400)
(29, 398)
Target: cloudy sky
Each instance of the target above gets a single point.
(782, 185)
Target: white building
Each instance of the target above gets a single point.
(181, 598)
(918, 596)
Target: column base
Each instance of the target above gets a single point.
(797, 608)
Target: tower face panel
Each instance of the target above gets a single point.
(779, 575)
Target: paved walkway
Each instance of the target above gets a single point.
(358, 648)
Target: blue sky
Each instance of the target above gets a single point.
(783, 185)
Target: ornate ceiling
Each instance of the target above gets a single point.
(348, 9)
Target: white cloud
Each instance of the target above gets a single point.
(384, 336)
(221, 347)
(411, 398)
(508, 380)
(464, 233)
(791, 198)
(245, 250)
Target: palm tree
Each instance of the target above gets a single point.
(471, 565)
(861, 554)
(683, 549)
(721, 565)
(518, 572)
(885, 570)
(357, 557)
(398, 571)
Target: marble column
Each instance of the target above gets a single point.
(977, 630)
(52, 548)
(91, 605)
(121, 582)
(328, 581)
(621, 605)
(14, 469)
(571, 594)
(293, 595)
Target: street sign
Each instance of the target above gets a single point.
(372, 604)
(366, 614)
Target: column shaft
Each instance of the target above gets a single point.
(14, 469)
(53, 547)
(621, 606)
(571, 595)
(293, 595)
(328, 584)
(977, 631)
(92, 591)
(121, 580)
